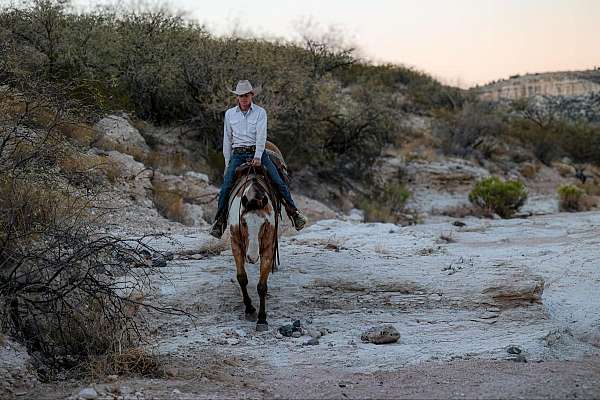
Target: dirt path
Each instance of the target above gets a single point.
(460, 297)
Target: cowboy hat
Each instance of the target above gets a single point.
(244, 87)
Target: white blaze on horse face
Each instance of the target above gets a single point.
(254, 221)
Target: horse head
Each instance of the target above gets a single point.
(254, 197)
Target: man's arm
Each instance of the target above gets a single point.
(227, 139)
(261, 135)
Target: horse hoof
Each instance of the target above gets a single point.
(262, 327)
(251, 316)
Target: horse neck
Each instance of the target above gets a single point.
(254, 219)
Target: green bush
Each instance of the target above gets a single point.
(551, 136)
(496, 196)
(328, 111)
(570, 198)
(387, 205)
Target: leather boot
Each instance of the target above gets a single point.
(218, 227)
(298, 219)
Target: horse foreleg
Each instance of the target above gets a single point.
(267, 241)
(242, 277)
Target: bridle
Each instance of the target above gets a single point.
(251, 177)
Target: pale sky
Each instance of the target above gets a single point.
(458, 41)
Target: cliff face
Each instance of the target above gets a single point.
(547, 84)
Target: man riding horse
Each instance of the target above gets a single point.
(244, 140)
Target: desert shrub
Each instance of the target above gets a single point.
(580, 141)
(69, 291)
(386, 205)
(134, 361)
(529, 170)
(591, 187)
(572, 198)
(168, 203)
(327, 110)
(463, 131)
(496, 196)
(551, 136)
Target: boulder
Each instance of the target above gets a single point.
(119, 130)
(447, 173)
(313, 209)
(381, 334)
(193, 215)
(134, 177)
(88, 394)
(564, 169)
(130, 169)
(192, 187)
(17, 370)
(197, 198)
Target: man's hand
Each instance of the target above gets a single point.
(255, 162)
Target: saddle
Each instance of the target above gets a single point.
(277, 157)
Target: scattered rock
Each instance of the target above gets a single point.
(381, 335)
(311, 342)
(240, 333)
(296, 334)
(88, 394)
(459, 223)
(314, 333)
(172, 372)
(286, 330)
(513, 350)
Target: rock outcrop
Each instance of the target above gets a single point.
(118, 131)
(546, 84)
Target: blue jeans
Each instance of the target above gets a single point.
(228, 181)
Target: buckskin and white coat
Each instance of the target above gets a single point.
(253, 237)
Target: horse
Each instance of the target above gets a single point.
(254, 210)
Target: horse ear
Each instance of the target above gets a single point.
(244, 201)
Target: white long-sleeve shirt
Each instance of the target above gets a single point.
(249, 129)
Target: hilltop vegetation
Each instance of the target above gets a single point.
(329, 109)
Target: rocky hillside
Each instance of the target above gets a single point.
(566, 84)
